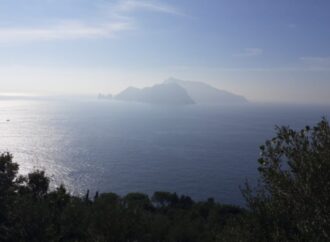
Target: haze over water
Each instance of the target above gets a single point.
(201, 151)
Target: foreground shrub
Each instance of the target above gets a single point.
(292, 200)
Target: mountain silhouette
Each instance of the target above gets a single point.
(203, 93)
(178, 92)
(165, 93)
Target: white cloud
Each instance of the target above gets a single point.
(316, 63)
(249, 52)
(65, 30)
(117, 19)
(146, 5)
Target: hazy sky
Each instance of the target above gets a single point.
(266, 50)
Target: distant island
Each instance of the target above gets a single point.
(178, 92)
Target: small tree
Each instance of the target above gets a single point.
(293, 196)
(165, 199)
(38, 183)
(8, 172)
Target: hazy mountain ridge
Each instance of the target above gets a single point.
(178, 92)
(203, 93)
(166, 93)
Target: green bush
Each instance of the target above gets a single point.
(292, 200)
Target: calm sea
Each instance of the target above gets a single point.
(201, 151)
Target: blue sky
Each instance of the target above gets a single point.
(265, 50)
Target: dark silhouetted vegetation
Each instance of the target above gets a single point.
(290, 203)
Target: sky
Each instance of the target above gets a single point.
(265, 50)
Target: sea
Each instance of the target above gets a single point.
(109, 146)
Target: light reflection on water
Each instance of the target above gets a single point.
(109, 146)
(27, 131)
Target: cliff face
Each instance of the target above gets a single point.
(166, 93)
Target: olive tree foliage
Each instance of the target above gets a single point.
(292, 200)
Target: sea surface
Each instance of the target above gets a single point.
(201, 151)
